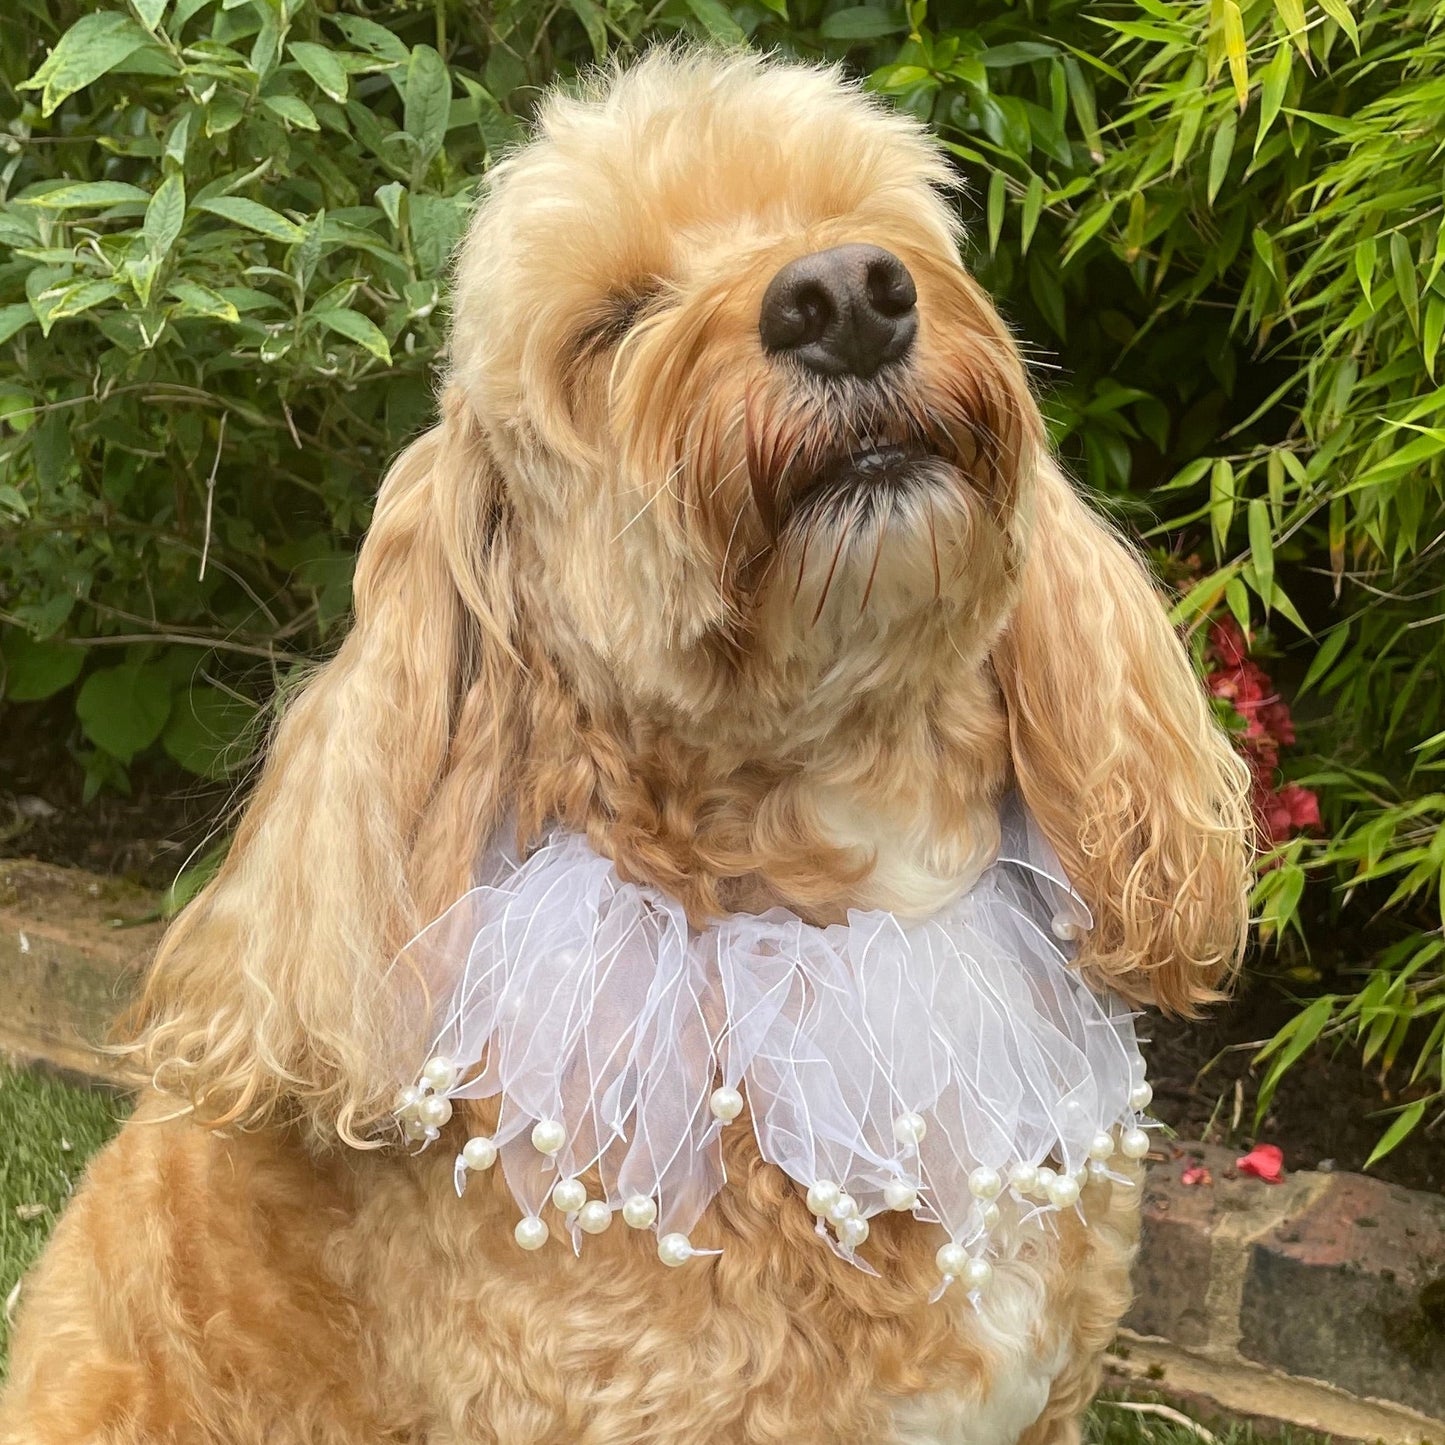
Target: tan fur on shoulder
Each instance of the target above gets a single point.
(604, 592)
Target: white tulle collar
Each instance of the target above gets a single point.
(940, 1068)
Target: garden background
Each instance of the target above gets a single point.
(1216, 226)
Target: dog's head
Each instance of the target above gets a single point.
(737, 384)
(738, 493)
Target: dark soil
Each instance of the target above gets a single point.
(146, 837)
(1327, 1112)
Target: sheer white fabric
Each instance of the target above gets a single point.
(588, 1002)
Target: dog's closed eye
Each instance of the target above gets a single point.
(619, 314)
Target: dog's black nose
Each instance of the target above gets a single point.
(843, 312)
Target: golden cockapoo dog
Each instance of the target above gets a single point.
(737, 547)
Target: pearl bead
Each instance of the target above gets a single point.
(1064, 928)
(1134, 1144)
(1141, 1096)
(1064, 1191)
(991, 1216)
(984, 1183)
(1046, 1180)
(1024, 1178)
(548, 1136)
(823, 1195)
(844, 1207)
(569, 1195)
(434, 1111)
(1102, 1147)
(479, 1153)
(531, 1233)
(977, 1274)
(726, 1104)
(413, 1128)
(910, 1128)
(594, 1217)
(899, 1194)
(951, 1259)
(440, 1073)
(409, 1098)
(639, 1212)
(674, 1249)
(852, 1232)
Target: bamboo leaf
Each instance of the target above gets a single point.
(1398, 1132)
(1235, 52)
(1220, 153)
(1261, 550)
(1272, 92)
(997, 193)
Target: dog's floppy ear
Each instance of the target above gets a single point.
(1120, 760)
(269, 995)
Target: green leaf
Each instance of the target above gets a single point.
(355, 327)
(1033, 204)
(34, 670)
(86, 195)
(322, 66)
(1402, 264)
(150, 12)
(1364, 258)
(717, 20)
(1221, 502)
(254, 217)
(198, 300)
(1221, 151)
(997, 194)
(1339, 12)
(1261, 549)
(93, 46)
(1404, 1125)
(862, 22)
(1235, 50)
(123, 709)
(80, 296)
(164, 216)
(428, 98)
(1292, 12)
(368, 35)
(1272, 92)
(293, 110)
(207, 731)
(389, 198)
(594, 22)
(15, 318)
(1324, 659)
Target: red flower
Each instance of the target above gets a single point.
(1265, 727)
(1264, 1161)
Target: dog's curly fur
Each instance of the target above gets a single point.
(600, 592)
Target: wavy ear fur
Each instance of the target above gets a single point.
(268, 996)
(1122, 762)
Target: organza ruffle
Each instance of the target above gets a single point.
(907, 1064)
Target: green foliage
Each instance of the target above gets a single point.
(224, 228)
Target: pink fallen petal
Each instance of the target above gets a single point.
(1195, 1176)
(1264, 1161)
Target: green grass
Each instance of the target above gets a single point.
(50, 1129)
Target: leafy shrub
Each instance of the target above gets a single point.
(224, 224)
